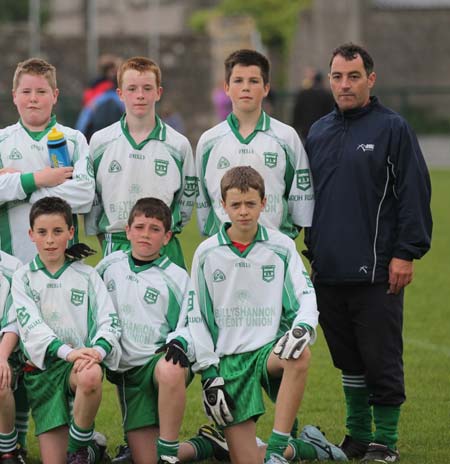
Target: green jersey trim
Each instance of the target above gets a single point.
(262, 125)
(28, 182)
(40, 134)
(158, 132)
(5, 230)
(52, 349)
(38, 265)
(102, 343)
(162, 262)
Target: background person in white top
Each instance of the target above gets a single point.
(140, 156)
(25, 172)
(250, 137)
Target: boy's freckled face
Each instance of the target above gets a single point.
(243, 208)
(51, 233)
(139, 92)
(246, 88)
(34, 99)
(147, 236)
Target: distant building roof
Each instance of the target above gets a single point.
(411, 4)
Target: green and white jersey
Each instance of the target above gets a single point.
(247, 300)
(152, 302)
(276, 152)
(161, 166)
(69, 307)
(8, 265)
(27, 152)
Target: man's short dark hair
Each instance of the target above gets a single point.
(246, 57)
(350, 51)
(51, 205)
(152, 208)
(242, 178)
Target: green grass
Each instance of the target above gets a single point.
(425, 415)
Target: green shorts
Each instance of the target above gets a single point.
(16, 366)
(138, 394)
(244, 375)
(118, 241)
(49, 395)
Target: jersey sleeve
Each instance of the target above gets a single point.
(189, 185)
(104, 319)
(299, 296)
(299, 182)
(35, 334)
(201, 321)
(11, 187)
(79, 190)
(203, 201)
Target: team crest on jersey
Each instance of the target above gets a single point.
(218, 276)
(223, 163)
(114, 166)
(77, 296)
(161, 167)
(15, 154)
(36, 297)
(151, 295)
(111, 286)
(270, 159)
(115, 321)
(268, 272)
(190, 186)
(22, 316)
(190, 303)
(303, 179)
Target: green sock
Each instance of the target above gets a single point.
(203, 447)
(277, 443)
(359, 411)
(78, 437)
(386, 425)
(294, 430)
(302, 450)
(8, 441)
(166, 447)
(22, 409)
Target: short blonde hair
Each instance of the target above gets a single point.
(140, 64)
(35, 67)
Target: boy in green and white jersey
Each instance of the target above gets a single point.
(152, 296)
(26, 175)
(67, 326)
(258, 314)
(9, 363)
(250, 137)
(140, 156)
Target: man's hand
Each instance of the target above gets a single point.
(51, 177)
(292, 343)
(5, 374)
(216, 401)
(175, 352)
(400, 274)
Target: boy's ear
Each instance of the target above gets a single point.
(266, 89)
(127, 230)
(263, 202)
(31, 235)
(167, 237)
(71, 232)
(55, 95)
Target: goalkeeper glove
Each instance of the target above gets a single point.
(216, 401)
(79, 251)
(175, 352)
(292, 343)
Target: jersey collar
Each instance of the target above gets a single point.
(40, 134)
(262, 125)
(224, 239)
(38, 265)
(158, 132)
(162, 262)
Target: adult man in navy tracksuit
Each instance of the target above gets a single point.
(372, 219)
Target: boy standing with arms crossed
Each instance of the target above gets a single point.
(26, 175)
(140, 156)
(250, 137)
(257, 317)
(152, 297)
(67, 326)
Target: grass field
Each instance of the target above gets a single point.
(424, 429)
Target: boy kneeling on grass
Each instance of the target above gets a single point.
(256, 317)
(67, 326)
(152, 296)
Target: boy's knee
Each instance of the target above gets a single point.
(301, 364)
(169, 374)
(90, 380)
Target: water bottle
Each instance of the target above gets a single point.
(57, 149)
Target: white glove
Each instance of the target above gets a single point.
(216, 401)
(292, 343)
